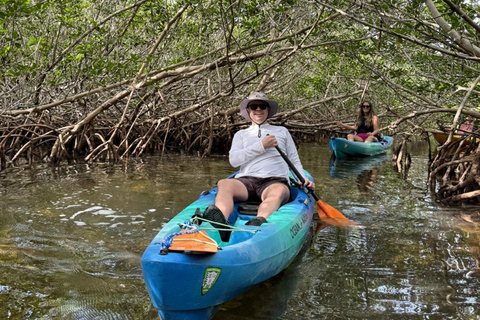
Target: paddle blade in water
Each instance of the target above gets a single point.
(197, 242)
(332, 216)
(320, 226)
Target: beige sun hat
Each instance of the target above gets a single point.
(260, 96)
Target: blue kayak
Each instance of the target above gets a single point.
(342, 148)
(187, 285)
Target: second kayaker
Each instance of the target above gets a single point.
(366, 126)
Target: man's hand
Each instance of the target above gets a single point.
(269, 142)
(309, 184)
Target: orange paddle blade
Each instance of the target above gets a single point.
(194, 242)
(332, 216)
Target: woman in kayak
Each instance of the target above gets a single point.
(263, 174)
(366, 126)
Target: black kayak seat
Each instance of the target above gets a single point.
(248, 208)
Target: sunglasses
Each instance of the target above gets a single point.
(366, 106)
(254, 107)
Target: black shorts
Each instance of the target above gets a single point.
(255, 186)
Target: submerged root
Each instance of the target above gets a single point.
(454, 176)
(401, 159)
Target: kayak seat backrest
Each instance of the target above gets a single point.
(248, 208)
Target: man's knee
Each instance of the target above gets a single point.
(233, 188)
(222, 183)
(225, 186)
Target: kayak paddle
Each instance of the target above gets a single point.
(326, 212)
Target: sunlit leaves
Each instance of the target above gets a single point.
(338, 55)
(35, 41)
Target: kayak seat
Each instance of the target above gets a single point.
(248, 208)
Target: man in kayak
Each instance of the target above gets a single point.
(263, 174)
(366, 125)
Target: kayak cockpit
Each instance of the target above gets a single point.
(186, 238)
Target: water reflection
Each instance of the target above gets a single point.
(365, 169)
(71, 239)
(345, 168)
(366, 179)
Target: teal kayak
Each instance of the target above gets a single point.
(192, 285)
(342, 148)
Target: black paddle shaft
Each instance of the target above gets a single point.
(295, 171)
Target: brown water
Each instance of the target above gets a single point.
(71, 239)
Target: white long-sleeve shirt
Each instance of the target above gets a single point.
(248, 153)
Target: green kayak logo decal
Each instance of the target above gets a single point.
(210, 277)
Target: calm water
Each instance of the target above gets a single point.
(71, 239)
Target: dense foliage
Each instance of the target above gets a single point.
(113, 79)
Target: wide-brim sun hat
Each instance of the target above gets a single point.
(260, 96)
